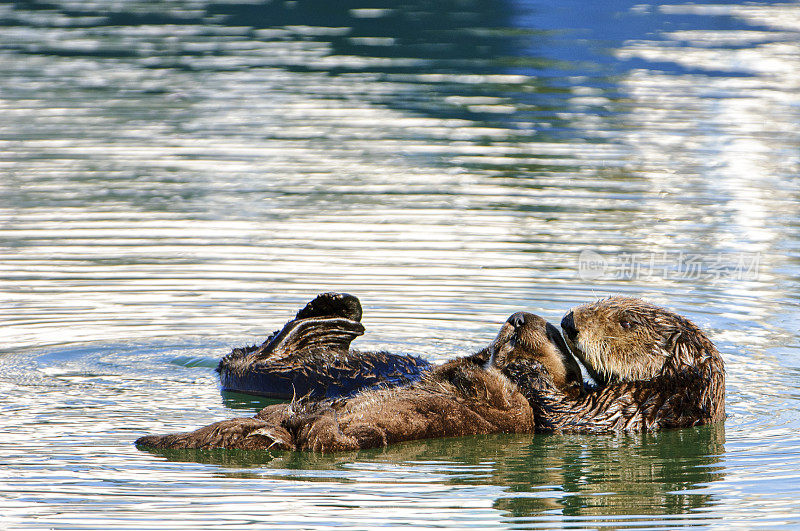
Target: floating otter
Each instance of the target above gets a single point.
(311, 356)
(467, 396)
(656, 370)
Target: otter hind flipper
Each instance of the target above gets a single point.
(311, 355)
(286, 364)
(330, 320)
(316, 333)
(332, 304)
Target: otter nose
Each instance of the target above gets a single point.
(568, 326)
(517, 320)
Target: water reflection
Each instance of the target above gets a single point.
(663, 473)
(250, 403)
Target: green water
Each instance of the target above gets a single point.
(178, 178)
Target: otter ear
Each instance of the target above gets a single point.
(333, 333)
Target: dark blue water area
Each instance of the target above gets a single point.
(550, 43)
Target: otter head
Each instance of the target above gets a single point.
(626, 339)
(525, 335)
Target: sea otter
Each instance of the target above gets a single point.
(466, 396)
(311, 356)
(655, 370)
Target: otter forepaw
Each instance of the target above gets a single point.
(531, 377)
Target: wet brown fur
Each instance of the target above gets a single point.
(655, 368)
(466, 396)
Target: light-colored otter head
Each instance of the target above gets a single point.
(525, 335)
(627, 339)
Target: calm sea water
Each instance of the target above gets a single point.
(178, 177)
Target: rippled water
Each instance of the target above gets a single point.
(178, 177)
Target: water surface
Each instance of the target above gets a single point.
(178, 178)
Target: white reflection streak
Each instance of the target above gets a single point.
(745, 129)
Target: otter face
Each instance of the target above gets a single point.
(624, 339)
(525, 335)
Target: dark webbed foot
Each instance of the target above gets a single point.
(311, 355)
(331, 320)
(329, 304)
(332, 304)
